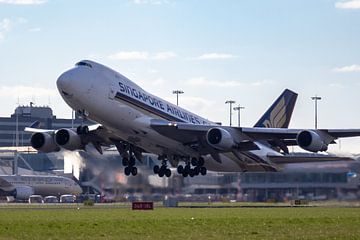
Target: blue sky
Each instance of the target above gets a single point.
(248, 51)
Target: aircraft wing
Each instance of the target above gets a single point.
(276, 137)
(96, 134)
(5, 185)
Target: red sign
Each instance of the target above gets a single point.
(142, 206)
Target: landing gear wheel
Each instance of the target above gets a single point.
(196, 170)
(156, 169)
(132, 161)
(201, 161)
(191, 173)
(194, 161)
(180, 169)
(203, 171)
(161, 172)
(185, 174)
(127, 171)
(134, 171)
(167, 172)
(125, 161)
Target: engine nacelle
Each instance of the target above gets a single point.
(43, 142)
(23, 192)
(219, 138)
(68, 139)
(311, 141)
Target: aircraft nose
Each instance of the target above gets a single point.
(63, 82)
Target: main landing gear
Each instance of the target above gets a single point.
(198, 168)
(129, 164)
(162, 170)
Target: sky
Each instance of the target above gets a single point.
(242, 50)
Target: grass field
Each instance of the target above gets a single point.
(180, 223)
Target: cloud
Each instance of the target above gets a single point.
(137, 55)
(202, 81)
(26, 91)
(23, 2)
(347, 69)
(151, 2)
(353, 4)
(5, 26)
(212, 56)
(164, 55)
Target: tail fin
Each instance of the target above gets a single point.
(279, 114)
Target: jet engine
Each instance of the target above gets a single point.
(219, 138)
(23, 192)
(311, 141)
(43, 142)
(68, 139)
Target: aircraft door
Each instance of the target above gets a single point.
(112, 91)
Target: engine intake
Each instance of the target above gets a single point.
(219, 138)
(311, 141)
(23, 192)
(43, 142)
(68, 139)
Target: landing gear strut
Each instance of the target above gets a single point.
(162, 170)
(198, 168)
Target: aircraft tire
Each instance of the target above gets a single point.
(134, 171)
(161, 173)
(132, 161)
(203, 171)
(194, 161)
(196, 171)
(185, 174)
(191, 173)
(156, 169)
(201, 162)
(180, 169)
(167, 172)
(125, 161)
(127, 171)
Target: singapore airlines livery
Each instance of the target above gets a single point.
(137, 122)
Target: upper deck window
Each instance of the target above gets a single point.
(83, 64)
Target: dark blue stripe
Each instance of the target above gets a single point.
(147, 108)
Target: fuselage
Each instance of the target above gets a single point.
(111, 99)
(43, 185)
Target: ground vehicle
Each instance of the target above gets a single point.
(36, 199)
(67, 198)
(51, 199)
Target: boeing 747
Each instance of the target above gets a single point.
(137, 122)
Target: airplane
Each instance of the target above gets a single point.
(138, 122)
(21, 187)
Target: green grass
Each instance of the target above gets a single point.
(180, 223)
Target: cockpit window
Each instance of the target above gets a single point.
(83, 64)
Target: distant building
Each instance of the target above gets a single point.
(23, 117)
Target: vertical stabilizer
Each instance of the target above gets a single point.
(279, 113)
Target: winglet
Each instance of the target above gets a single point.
(279, 113)
(35, 124)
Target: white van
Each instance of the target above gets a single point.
(67, 198)
(51, 199)
(36, 199)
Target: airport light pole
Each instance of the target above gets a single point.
(238, 108)
(230, 102)
(316, 98)
(177, 92)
